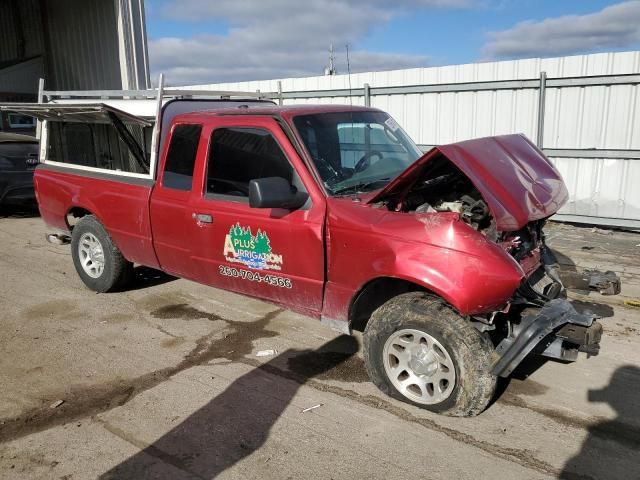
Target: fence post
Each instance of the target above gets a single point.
(280, 99)
(367, 95)
(541, 104)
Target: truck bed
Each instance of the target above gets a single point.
(120, 203)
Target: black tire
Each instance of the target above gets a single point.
(469, 350)
(117, 270)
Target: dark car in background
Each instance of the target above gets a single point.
(18, 160)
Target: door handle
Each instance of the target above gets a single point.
(202, 217)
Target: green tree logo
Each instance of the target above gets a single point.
(242, 234)
(262, 244)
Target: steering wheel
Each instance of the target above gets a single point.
(365, 161)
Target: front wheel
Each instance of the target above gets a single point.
(99, 263)
(419, 350)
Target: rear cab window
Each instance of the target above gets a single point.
(181, 157)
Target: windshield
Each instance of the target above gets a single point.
(356, 151)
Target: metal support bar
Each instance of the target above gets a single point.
(541, 103)
(40, 100)
(630, 223)
(150, 93)
(345, 92)
(592, 153)
(280, 99)
(155, 136)
(594, 81)
(577, 152)
(457, 87)
(631, 79)
(367, 95)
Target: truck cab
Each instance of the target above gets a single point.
(439, 258)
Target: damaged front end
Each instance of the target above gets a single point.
(506, 189)
(541, 320)
(548, 327)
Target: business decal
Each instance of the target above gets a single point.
(253, 251)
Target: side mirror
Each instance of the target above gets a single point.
(275, 192)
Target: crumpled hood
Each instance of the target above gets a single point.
(518, 183)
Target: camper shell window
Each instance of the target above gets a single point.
(98, 145)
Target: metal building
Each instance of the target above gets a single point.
(73, 44)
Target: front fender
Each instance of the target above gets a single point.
(470, 282)
(435, 251)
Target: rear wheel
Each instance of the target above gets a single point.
(99, 263)
(419, 350)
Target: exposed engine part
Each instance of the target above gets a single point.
(473, 211)
(446, 189)
(551, 265)
(545, 284)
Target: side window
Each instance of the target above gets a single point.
(181, 157)
(238, 155)
(79, 144)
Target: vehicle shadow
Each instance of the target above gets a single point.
(146, 277)
(19, 211)
(611, 448)
(233, 425)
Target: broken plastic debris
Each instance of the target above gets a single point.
(311, 408)
(632, 303)
(266, 353)
(601, 231)
(56, 404)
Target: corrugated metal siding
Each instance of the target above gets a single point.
(84, 45)
(32, 26)
(22, 78)
(601, 117)
(9, 43)
(91, 44)
(134, 60)
(602, 189)
(29, 13)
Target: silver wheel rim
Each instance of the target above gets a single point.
(419, 366)
(91, 255)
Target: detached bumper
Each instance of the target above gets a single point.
(556, 330)
(606, 283)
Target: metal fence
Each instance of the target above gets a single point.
(583, 111)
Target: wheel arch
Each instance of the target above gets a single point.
(377, 292)
(74, 214)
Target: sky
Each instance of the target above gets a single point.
(213, 41)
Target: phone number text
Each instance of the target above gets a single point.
(272, 280)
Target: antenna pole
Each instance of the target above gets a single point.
(331, 69)
(349, 76)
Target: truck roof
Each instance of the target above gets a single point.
(267, 109)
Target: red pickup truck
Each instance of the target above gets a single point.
(334, 212)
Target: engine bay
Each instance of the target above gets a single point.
(444, 188)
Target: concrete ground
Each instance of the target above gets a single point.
(163, 381)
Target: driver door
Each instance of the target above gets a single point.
(271, 253)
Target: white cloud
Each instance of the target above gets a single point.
(616, 26)
(278, 38)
